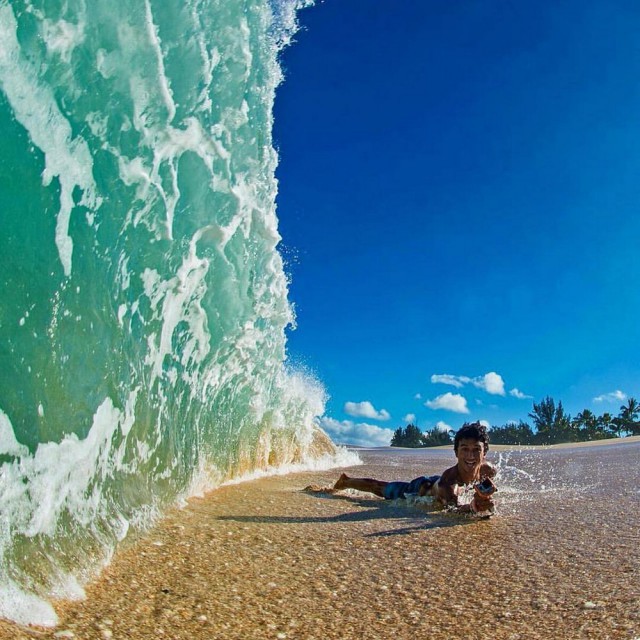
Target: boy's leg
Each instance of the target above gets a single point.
(361, 484)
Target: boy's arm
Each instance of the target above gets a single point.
(446, 493)
(483, 497)
(448, 498)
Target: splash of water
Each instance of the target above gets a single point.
(144, 302)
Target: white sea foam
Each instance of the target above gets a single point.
(62, 37)
(25, 608)
(35, 489)
(59, 474)
(8, 443)
(163, 80)
(67, 157)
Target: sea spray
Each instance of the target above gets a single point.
(143, 300)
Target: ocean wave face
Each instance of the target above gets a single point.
(144, 302)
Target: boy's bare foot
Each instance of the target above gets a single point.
(341, 482)
(316, 488)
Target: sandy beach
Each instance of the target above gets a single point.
(264, 559)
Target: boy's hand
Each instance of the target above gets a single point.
(482, 504)
(482, 499)
(486, 488)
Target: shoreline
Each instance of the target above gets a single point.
(519, 447)
(264, 559)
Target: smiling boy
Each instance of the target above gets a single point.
(470, 446)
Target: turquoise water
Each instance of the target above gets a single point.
(144, 301)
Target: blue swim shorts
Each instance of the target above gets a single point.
(395, 490)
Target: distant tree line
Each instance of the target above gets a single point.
(411, 436)
(551, 425)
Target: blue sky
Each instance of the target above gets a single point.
(459, 189)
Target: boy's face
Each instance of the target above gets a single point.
(470, 455)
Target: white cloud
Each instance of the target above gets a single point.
(359, 434)
(516, 393)
(485, 423)
(418, 396)
(450, 401)
(365, 410)
(446, 378)
(613, 396)
(441, 425)
(410, 417)
(491, 382)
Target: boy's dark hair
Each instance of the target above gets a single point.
(473, 431)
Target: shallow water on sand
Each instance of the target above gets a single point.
(561, 559)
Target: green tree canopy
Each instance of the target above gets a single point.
(436, 438)
(628, 417)
(512, 433)
(410, 436)
(552, 423)
(591, 427)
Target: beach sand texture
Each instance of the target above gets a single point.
(264, 559)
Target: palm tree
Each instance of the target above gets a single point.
(587, 423)
(630, 410)
(552, 423)
(629, 416)
(608, 425)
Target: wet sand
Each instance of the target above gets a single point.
(264, 559)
